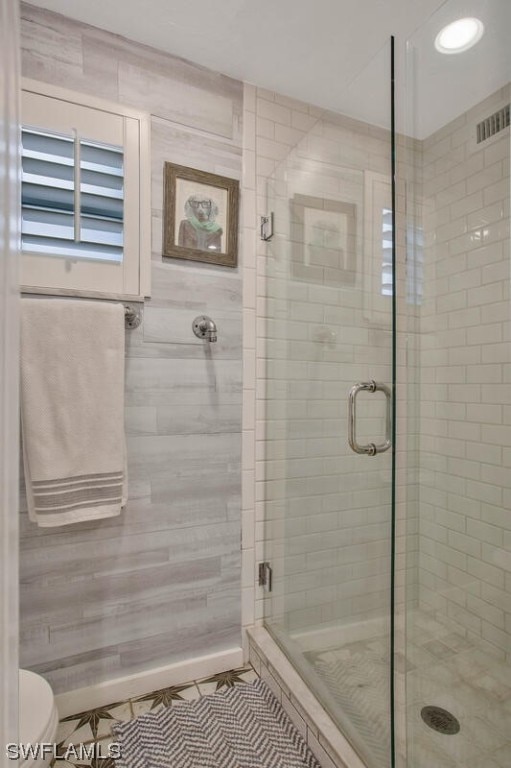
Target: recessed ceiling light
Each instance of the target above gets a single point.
(459, 36)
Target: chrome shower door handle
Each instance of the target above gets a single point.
(371, 449)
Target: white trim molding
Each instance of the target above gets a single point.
(9, 365)
(122, 688)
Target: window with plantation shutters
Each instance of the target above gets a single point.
(85, 203)
(72, 197)
(378, 242)
(387, 287)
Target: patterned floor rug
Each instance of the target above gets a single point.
(242, 727)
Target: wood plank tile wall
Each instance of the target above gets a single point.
(161, 583)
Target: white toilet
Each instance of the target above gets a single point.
(38, 716)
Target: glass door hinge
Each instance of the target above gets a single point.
(265, 576)
(266, 227)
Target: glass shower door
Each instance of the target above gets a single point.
(328, 486)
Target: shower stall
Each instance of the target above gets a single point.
(387, 386)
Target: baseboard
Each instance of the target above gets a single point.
(122, 688)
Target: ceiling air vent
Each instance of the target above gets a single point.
(493, 124)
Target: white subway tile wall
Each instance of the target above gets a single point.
(322, 520)
(322, 514)
(465, 408)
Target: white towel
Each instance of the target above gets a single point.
(72, 409)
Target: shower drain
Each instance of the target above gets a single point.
(440, 720)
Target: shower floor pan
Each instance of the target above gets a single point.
(443, 669)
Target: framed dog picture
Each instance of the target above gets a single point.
(200, 216)
(323, 249)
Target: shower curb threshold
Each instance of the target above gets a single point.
(329, 746)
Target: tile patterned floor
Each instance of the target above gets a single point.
(357, 678)
(442, 668)
(452, 672)
(93, 728)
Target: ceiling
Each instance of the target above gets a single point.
(331, 53)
